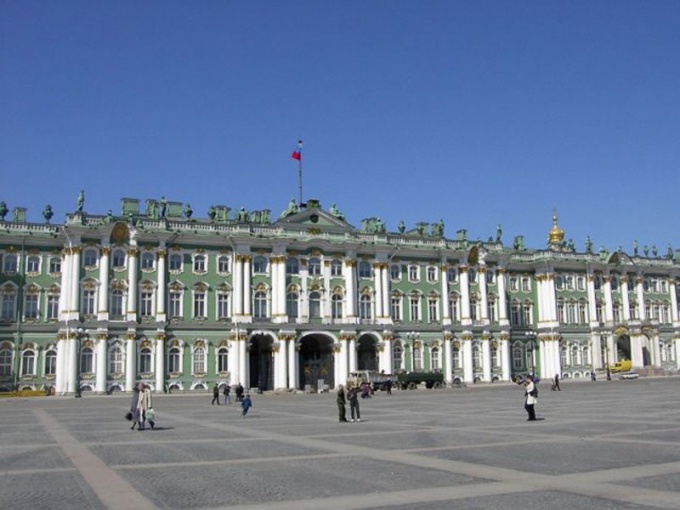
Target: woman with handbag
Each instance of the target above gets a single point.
(531, 397)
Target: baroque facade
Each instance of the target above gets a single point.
(103, 302)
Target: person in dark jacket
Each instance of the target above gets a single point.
(341, 401)
(239, 393)
(353, 394)
(216, 395)
(226, 391)
(246, 404)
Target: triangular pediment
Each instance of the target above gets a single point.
(315, 218)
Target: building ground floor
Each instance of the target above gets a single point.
(108, 359)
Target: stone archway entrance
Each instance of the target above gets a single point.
(367, 353)
(316, 361)
(261, 362)
(623, 350)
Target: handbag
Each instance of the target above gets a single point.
(150, 415)
(128, 416)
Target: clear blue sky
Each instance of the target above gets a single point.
(476, 113)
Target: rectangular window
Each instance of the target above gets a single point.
(175, 305)
(415, 309)
(31, 306)
(199, 305)
(433, 310)
(222, 306)
(146, 304)
(87, 305)
(395, 308)
(55, 265)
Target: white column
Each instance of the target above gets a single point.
(386, 292)
(60, 376)
(293, 375)
(446, 317)
(243, 360)
(608, 304)
(103, 294)
(502, 299)
(592, 300)
(281, 296)
(247, 290)
(386, 358)
(66, 287)
(102, 376)
(132, 284)
(464, 296)
(468, 371)
(73, 363)
(326, 297)
(352, 352)
(130, 362)
(159, 369)
(238, 286)
(377, 282)
(281, 362)
(674, 303)
(162, 288)
(75, 282)
(486, 359)
(505, 357)
(349, 273)
(483, 293)
(642, 315)
(596, 351)
(624, 298)
(448, 359)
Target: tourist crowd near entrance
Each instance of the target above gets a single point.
(157, 296)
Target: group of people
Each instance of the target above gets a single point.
(352, 395)
(246, 401)
(141, 407)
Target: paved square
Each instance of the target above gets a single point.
(602, 445)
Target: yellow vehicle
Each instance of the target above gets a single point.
(625, 365)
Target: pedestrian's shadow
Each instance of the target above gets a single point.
(156, 428)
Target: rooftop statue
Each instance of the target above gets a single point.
(291, 209)
(3, 210)
(499, 233)
(164, 206)
(242, 215)
(518, 243)
(109, 216)
(401, 227)
(669, 253)
(645, 250)
(188, 211)
(47, 213)
(438, 229)
(212, 212)
(655, 252)
(603, 253)
(635, 248)
(571, 246)
(81, 201)
(151, 210)
(335, 212)
(589, 246)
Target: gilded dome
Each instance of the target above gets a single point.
(556, 235)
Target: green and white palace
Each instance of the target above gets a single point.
(156, 295)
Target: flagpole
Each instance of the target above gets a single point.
(300, 171)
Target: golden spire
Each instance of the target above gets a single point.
(556, 235)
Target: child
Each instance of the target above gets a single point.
(246, 404)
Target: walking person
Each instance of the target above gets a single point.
(216, 395)
(134, 417)
(239, 393)
(143, 405)
(388, 386)
(531, 398)
(226, 391)
(246, 404)
(353, 394)
(556, 383)
(341, 401)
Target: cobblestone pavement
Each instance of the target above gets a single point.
(602, 445)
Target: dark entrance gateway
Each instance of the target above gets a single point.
(261, 362)
(316, 361)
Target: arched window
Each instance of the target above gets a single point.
(292, 305)
(292, 266)
(174, 358)
(517, 357)
(115, 360)
(223, 264)
(365, 307)
(315, 305)
(175, 262)
(397, 358)
(118, 259)
(314, 266)
(435, 359)
(223, 359)
(260, 308)
(51, 362)
(395, 272)
(33, 264)
(90, 257)
(87, 360)
(336, 267)
(55, 265)
(200, 265)
(9, 264)
(148, 260)
(417, 359)
(199, 361)
(28, 363)
(5, 362)
(260, 265)
(8, 302)
(145, 360)
(336, 306)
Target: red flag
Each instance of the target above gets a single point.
(297, 153)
